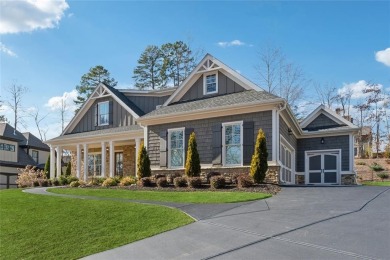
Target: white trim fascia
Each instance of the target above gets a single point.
(347, 172)
(146, 137)
(169, 150)
(351, 152)
(241, 143)
(335, 132)
(289, 147)
(274, 156)
(332, 115)
(209, 113)
(293, 119)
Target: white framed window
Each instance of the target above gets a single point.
(232, 140)
(286, 159)
(103, 113)
(176, 148)
(34, 155)
(210, 83)
(7, 147)
(94, 164)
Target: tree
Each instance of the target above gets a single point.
(344, 98)
(37, 120)
(148, 72)
(270, 60)
(361, 108)
(259, 163)
(3, 119)
(68, 171)
(326, 94)
(47, 167)
(15, 103)
(143, 161)
(89, 82)
(192, 161)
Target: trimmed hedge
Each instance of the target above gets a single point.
(194, 182)
(217, 182)
(180, 182)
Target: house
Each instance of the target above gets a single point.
(17, 150)
(225, 110)
(364, 141)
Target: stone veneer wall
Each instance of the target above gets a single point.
(348, 179)
(300, 179)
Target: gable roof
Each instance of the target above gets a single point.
(8, 132)
(25, 139)
(33, 141)
(329, 113)
(207, 64)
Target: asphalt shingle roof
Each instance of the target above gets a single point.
(33, 141)
(7, 132)
(125, 100)
(243, 97)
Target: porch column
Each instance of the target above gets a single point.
(52, 162)
(85, 162)
(103, 159)
(78, 162)
(137, 144)
(112, 159)
(59, 166)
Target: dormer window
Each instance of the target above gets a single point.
(210, 83)
(103, 113)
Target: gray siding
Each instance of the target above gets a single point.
(322, 122)
(225, 86)
(291, 139)
(147, 104)
(120, 118)
(204, 134)
(332, 142)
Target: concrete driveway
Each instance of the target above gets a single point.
(298, 223)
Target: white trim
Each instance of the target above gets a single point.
(322, 153)
(274, 135)
(85, 161)
(103, 151)
(205, 75)
(146, 136)
(112, 159)
(169, 147)
(78, 161)
(224, 143)
(292, 151)
(59, 166)
(351, 152)
(52, 162)
(98, 112)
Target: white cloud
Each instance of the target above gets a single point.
(55, 103)
(383, 57)
(233, 43)
(7, 51)
(29, 15)
(356, 88)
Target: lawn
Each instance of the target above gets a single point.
(167, 196)
(376, 183)
(46, 227)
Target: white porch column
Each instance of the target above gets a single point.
(137, 144)
(112, 159)
(52, 162)
(85, 162)
(78, 162)
(59, 166)
(103, 159)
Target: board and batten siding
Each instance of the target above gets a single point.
(203, 129)
(291, 139)
(331, 142)
(225, 86)
(147, 104)
(121, 117)
(322, 122)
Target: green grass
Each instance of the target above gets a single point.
(45, 227)
(376, 183)
(167, 196)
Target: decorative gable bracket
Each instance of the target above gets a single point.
(208, 65)
(100, 92)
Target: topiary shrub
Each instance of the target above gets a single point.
(68, 170)
(162, 182)
(383, 175)
(244, 181)
(180, 182)
(212, 174)
(109, 182)
(145, 182)
(143, 167)
(217, 182)
(74, 184)
(46, 169)
(192, 167)
(126, 181)
(259, 163)
(194, 182)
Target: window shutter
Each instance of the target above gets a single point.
(96, 114)
(110, 112)
(217, 145)
(163, 148)
(187, 133)
(248, 142)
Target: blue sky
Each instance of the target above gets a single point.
(48, 46)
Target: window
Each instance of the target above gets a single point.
(119, 164)
(94, 164)
(103, 113)
(176, 148)
(210, 84)
(286, 159)
(232, 144)
(7, 147)
(34, 155)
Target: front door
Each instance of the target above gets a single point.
(323, 167)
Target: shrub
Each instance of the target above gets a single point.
(55, 182)
(259, 163)
(194, 182)
(126, 181)
(212, 174)
(217, 182)
(72, 178)
(44, 183)
(143, 167)
(244, 181)
(74, 184)
(158, 176)
(63, 180)
(117, 179)
(162, 182)
(376, 167)
(97, 180)
(361, 163)
(30, 177)
(46, 169)
(68, 170)
(192, 167)
(383, 175)
(180, 182)
(109, 182)
(145, 182)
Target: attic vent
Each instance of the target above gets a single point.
(158, 106)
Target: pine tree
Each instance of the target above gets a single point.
(90, 80)
(192, 162)
(68, 171)
(147, 74)
(143, 167)
(47, 167)
(259, 163)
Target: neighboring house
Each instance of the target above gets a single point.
(17, 150)
(365, 137)
(225, 110)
